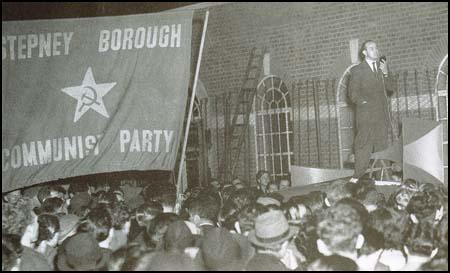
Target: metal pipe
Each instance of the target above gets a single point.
(405, 85)
(217, 135)
(397, 90)
(430, 91)
(317, 119)
(307, 121)
(298, 86)
(329, 121)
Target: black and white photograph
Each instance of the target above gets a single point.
(224, 136)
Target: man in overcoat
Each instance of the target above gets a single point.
(370, 84)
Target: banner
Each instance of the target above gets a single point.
(92, 95)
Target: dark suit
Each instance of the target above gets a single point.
(372, 117)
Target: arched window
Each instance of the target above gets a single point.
(273, 128)
(441, 93)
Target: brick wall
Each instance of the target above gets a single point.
(311, 41)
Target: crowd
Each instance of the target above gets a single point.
(137, 226)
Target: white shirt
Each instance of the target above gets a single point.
(393, 258)
(371, 65)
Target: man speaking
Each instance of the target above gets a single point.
(369, 85)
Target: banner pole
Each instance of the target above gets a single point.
(191, 106)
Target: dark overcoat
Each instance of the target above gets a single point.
(369, 92)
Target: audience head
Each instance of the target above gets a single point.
(424, 205)
(340, 231)
(421, 239)
(167, 200)
(306, 240)
(373, 241)
(297, 212)
(77, 187)
(272, 187)
(245, 218)
(98, 222)
(391, 224)
(220, 256)
(400, 199)
(158, 227)
(119, 215)
(168, 261)
(370, 252)
(215, 184)
(147, 212)
(204, 207)
(237, 184)
(263, 180)
(96, 186)
(317, 201)
(48, 230)
(284, 184)
(16, 216)
(52, 205)
(11, 252)
(411, 185)
(80, 204)
(51, 191)
(366, 193)
(81, 252)
(333, 263)
(272, 233)
(178, 237)
(338, 190)
(362, 211)
(12, 197)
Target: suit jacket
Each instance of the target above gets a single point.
(369, 91)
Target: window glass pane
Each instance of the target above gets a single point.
(283, 117)
(273, 105)
(268, 97)
(278, 96)
(260, 146)
(267, 124)
(445, 154)
(442, 106)
(276, 143)
(277, 164)
(284, 142)
(275, 124)
(285, 164)
(269, 164)
(259, 125)
(445, 127)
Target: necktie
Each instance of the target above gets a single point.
(374, 64)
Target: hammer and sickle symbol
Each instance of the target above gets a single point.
(89, 97)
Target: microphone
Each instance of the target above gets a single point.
(382, 58)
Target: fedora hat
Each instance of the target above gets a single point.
(271, 229)
(81, 253)
(267, 200)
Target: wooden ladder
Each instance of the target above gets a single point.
(238, 127)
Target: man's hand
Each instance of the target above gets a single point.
(384, 68)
